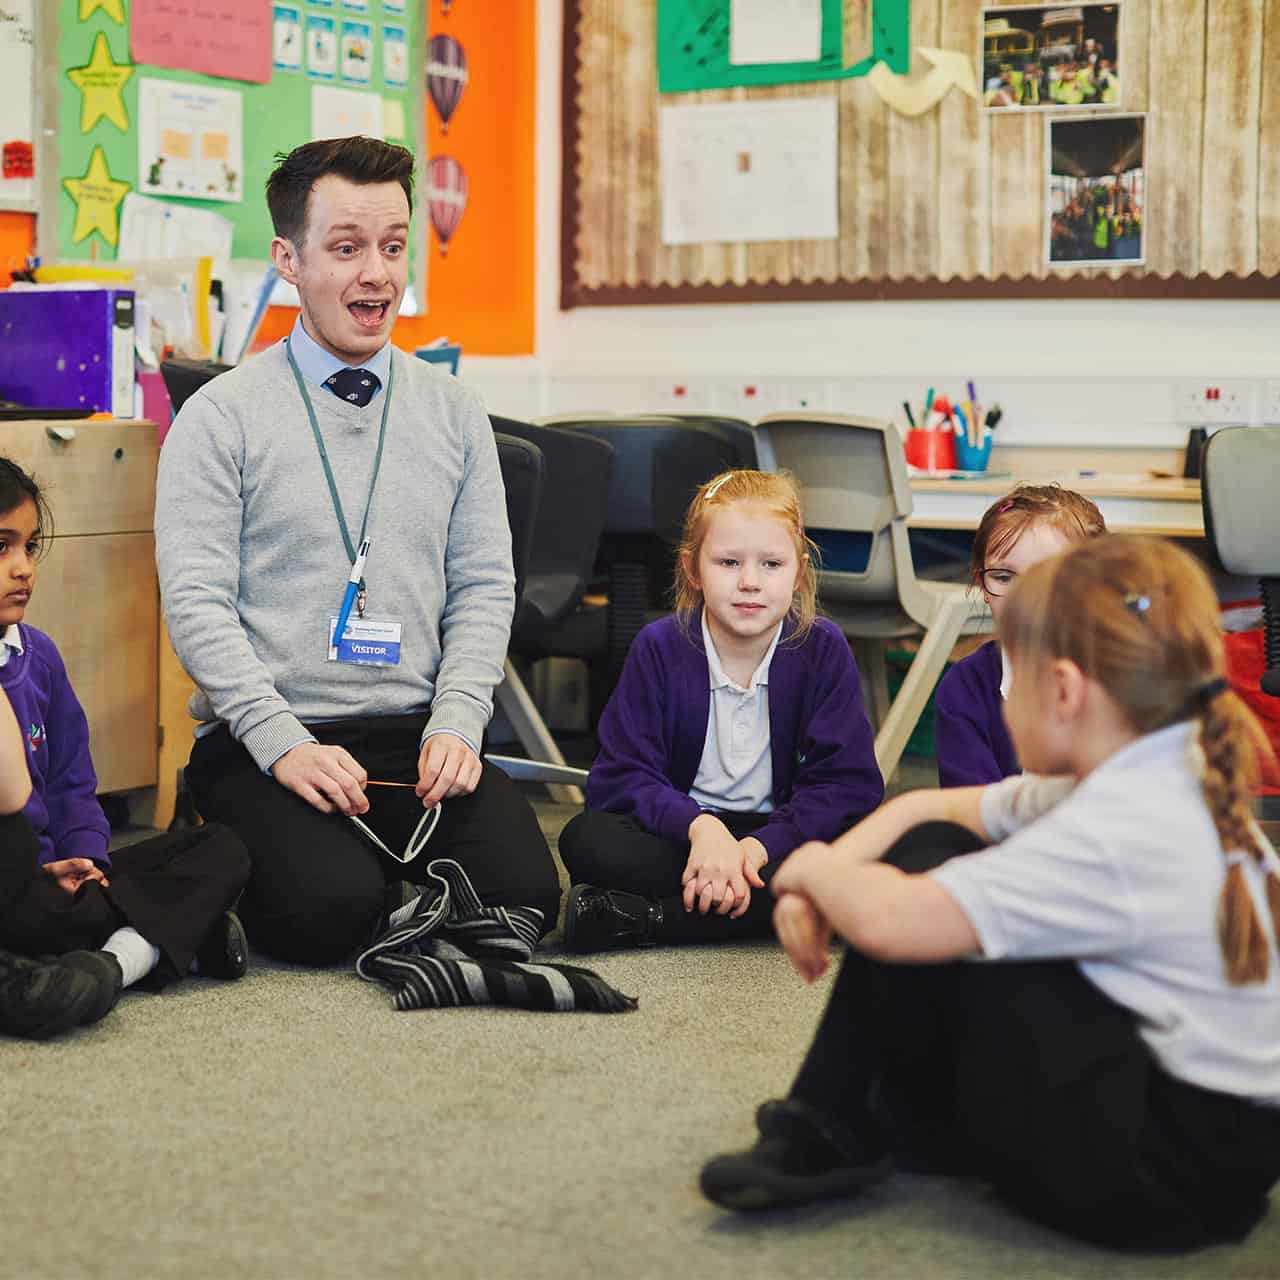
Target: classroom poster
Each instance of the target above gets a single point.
(742, 171)
(762, 31)
(342, 113)
(395, 56)
(286, 33)
(356, 52)
(190, 141)
(230, 39)
(322, 47)
(17, 70)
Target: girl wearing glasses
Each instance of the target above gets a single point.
(1019, 530)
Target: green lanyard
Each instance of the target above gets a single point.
(328, 470)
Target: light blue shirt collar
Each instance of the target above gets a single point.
(317, 364)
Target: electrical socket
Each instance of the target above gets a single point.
(1214, 402)
(1270, 402)
(681, 395)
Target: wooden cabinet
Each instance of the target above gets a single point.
(96, 590)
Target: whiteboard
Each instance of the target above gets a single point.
(17, 75)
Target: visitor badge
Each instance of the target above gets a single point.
(373, 642)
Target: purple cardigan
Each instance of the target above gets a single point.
(63, 810)
(974, 747)
(825, 776)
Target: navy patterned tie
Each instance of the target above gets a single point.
(356, 385)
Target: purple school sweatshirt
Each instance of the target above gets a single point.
(973, 745)
(63, 810)
(825, 776)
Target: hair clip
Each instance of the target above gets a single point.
(1136, 603)
(1006, 505)
(715, 486)
(1236, 858)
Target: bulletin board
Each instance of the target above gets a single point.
(950, 203)
(103, 92)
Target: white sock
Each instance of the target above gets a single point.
(136, 955)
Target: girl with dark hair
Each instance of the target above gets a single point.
(148, 909)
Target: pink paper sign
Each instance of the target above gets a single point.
(227, 38)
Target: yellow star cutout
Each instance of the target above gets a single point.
(97, 196)
(101, 84)
(114, 9)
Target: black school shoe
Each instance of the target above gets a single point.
(107, 976)
(225, 951)
(39, 1000)
(608, 919)
(799, 1159)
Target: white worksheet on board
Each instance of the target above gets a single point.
(763, 31)
(737, 171)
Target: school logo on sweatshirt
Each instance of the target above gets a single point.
(35, 737)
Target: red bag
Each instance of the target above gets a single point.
(1246, 661)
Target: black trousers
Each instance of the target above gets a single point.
(1027, 1074)
(172, 889)
(317, 883)
(616, 852)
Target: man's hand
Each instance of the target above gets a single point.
(446, 767)
(327, 778)
(71, 873)
(804, 934)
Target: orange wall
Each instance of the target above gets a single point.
(481, 295)
(17, 240)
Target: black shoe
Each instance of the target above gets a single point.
(799, 1159)
(225, 951)
(40, 1000)
(607, 919)
(107, 976)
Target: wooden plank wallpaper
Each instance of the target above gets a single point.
(950, 203)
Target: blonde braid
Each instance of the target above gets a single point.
(1227, 734)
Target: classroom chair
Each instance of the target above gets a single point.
(659, 462)
(853, 477)
(184, 377)
(551, 620)
(1239, 478)
(523, 477)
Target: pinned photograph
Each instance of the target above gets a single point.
(1097, 190)
(1051, 57)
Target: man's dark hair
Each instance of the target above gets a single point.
(359, 159)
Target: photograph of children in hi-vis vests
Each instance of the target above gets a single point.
(1096, 190)
(1051, 57)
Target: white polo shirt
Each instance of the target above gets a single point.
(735, 773)
(1122, 873)
(10, 642)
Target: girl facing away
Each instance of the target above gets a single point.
(1019, 530)
(1122, 1081)
(148, 909)
(736, 733)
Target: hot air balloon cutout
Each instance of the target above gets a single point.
(446, 198)
(446, 76)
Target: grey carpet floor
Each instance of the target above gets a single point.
(293, 1125)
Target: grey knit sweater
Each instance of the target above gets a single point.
(252, 564)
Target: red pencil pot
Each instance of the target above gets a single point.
(931, 450)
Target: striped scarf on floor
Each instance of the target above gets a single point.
(444, 949)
